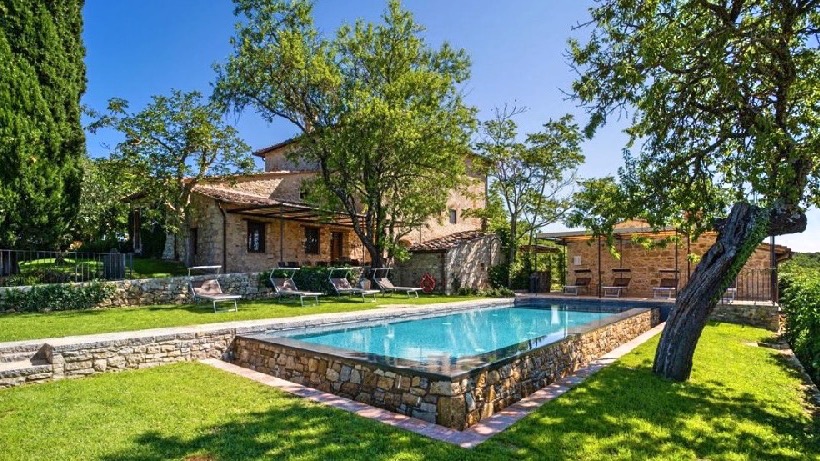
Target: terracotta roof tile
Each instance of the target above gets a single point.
(448, 241)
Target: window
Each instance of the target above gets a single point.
(453, 216)
(256, 237)
(312, 240)
(194, 240)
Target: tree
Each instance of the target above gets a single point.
(533, 176)
(103, 215)
(723, 96)
(42, 77)
(377, 109)
(171, 145)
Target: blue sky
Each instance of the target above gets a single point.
(135, 49)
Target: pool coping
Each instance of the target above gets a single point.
(469, 438)
(255, 326)
(458, 369)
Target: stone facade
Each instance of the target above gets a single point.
(464, 265)
(753, 282)
(455, 402)
(221, 231)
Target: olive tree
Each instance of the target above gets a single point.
(722, 99)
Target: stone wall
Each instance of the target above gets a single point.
(175, 290)
(464, 266)
(753, 281)
(458, 402)
(766, 316)
(82, 359)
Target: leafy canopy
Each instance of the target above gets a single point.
(378, 110)
(171, 145)
(532, 177)
(723, 98)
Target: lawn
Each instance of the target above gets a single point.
(742, 402)
(15, 327)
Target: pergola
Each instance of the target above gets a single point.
(628, 232)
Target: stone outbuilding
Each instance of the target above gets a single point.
(455, 261)
(647, 265)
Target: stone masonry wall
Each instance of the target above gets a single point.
(456, 403)
(766, 316)
(175, 290)
(753, 281)
(402, 393)
(83, 359)
(466, 265)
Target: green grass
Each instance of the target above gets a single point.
(742, 403)
(15, 327)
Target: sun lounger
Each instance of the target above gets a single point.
(210, 290)
(620, 282)
(284, 286)
(341, 285)
(668, 288)
(582, 279)
(380, 276)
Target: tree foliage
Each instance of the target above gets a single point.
(42, 77)
(103, 215)
(533, 177)
(723, 103)
(377, 108)
(171, 145)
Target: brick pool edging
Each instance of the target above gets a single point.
(43, 360)
(456, 402)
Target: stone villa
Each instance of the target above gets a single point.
(251, 223)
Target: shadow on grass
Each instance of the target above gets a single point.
(628, 412)
(293, 429)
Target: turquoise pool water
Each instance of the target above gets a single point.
(463, 334)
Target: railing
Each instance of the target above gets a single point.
(758, 284)
(25, 267)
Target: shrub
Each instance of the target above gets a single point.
(501, 292)
(498, 275)
(57, 297)
(800, 299)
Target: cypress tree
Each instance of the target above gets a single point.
(42, 77)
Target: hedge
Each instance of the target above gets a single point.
(54, 297)
(800, 299)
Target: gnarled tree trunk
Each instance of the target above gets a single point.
(738, 236)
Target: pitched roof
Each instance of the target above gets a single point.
(447, 242)
(261, 152)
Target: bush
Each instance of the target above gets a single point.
(58, 297)
(498, 293)
(498, 275)
(800, 299)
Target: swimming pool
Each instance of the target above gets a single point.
(450, 368)
(448, 338)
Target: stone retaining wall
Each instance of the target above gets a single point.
(174, 290)
(83, 359)
(766, 316)
(458, 402)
